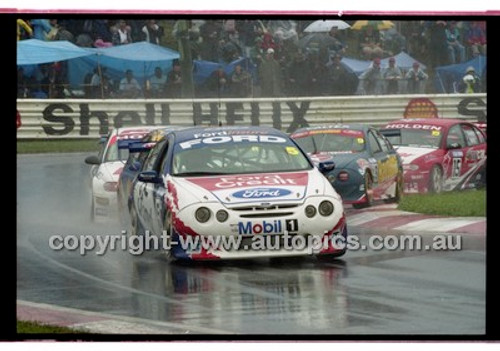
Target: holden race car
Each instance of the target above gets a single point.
(367, 168)
(243, 183)
(439, 154)
(106, 168)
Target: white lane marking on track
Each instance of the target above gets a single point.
(439, 224)
(364, 217)
(121, 324)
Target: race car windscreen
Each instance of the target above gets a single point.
(415, 138)
(337, 143)
(238, 157)
(113, 153)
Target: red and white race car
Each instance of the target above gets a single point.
(107, 166)
(439, 154)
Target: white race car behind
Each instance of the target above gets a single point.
(106, 169)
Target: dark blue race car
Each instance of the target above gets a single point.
(222, 190)
(367, 167)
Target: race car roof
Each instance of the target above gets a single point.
(203, 132)
(351, 126)
(442, 122)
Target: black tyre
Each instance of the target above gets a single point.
(368, 192)
(436, 180)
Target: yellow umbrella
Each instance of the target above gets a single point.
(379, 25)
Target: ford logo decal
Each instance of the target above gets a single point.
(261, 193)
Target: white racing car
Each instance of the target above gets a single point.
(200, 184)
(106, 169)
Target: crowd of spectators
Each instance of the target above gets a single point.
(289, 61)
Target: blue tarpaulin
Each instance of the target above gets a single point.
(403, 61)
(448, 78)
(34, 51)
(141, 58)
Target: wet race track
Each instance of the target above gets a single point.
(363, 292)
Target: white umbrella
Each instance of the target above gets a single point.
(325, 26)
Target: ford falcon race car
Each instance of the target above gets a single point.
(367, 167)
(439, 154)
(246, 183)
(138, 151)
(107, 166)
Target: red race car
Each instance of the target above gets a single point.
(439, 154)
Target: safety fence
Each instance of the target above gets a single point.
(89, 118)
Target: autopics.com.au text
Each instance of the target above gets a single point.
(311, 244)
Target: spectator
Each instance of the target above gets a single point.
(438, 49)
(475, 38)
(64, 34)
(129, 87)
(24, 30)
(340, 80)
(22, 84)
(174, 81)
(100, 84)
(240, 83)
(335, 45)
(270, 75)
(152, 32)
(157, 84)
(455, 48)
(471, 83)
(209, 32)
(122, 33)
(392, 75)
(415, 77)
(371, 45)
(270, 78)
(41, 28)
(299, 77)
(319, 74)
(95, 84)
(216, 84)
(371, 79)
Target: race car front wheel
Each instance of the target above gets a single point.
(436, 180)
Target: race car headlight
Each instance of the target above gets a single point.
(410, 167)
(110, 186)
(310, 211)
(325, 208)
(222, 215)
(202, 214)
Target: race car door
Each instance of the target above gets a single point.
(475, 153)
(386, 163)
(149, 195)
(453, 161)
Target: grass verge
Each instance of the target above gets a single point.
(467, 203)
(25, 327)
(54, 145)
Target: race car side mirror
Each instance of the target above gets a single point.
(135, 166)
(149, 177)
(326, 166)
(92, 160)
